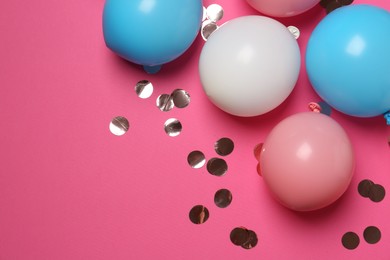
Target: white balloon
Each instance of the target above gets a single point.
(250, 65)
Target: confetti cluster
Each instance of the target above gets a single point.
(331, 5)
(371, 234)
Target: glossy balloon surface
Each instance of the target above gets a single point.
(307, 161)
(250, 65)
(348, 60)
(151, 32)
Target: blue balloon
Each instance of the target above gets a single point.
(151, 32)
(348, 60)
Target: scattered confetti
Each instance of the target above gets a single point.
(196, 159)
(164, 102)
(243, 237)
(350, 240)
(294, 31)
(180, 98)
(372, 235)
(119, 125)
(144, 89)
(223, 198)
(217, 166)
(368, 189)
(224, 146)
(199, 214)
(214, 12)
(173, 127)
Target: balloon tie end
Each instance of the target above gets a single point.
(387, 117)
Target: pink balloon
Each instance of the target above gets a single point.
(307, 161)
(282, 8)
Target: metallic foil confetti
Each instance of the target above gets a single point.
(196, 159)
(207, 29)
(294, 31)
(119, 125)
(217, 166)
(332, 6)
(243, 237)
(173, 127)
(214, 12)
(181, 98)
(315, 107)
(252, 240)
(239, 236)
(350, 240)
(372, 235)
(364, 188)
(164, 102)
(377, 193)
(199, 214)
(144, 89)
(224, 146)
(223, 198)
(204, 14)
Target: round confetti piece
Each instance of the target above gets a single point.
(214, 12)
(252, 240)
(364, 188)
(239, 236)
(173, 127)
(350, 240)
(207, 29)
(144, 89)
(199, 214)
(196, 159)
(164, 102)
(217, 166)
(180, 98)
(223, 198)
(119, 125)
(224, 146)
(377, 193)
(294, 31)
(372, 235)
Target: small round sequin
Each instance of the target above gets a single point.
(332, 6)
(372, 235)
(214, 12)
(199, 214)
(350, 240)
(196, 159)
(207, 29)
(252, 240)
(119, 125)
(217, 166)
(294, 31)
(224, 146)
(164, 102)
(173, 127)
(144, 89)
(181, 98)
(377, 193)
(223, 198)
(243, 237)
(364, 188)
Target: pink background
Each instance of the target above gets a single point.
(69, 189)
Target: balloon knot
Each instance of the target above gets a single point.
(387, 117)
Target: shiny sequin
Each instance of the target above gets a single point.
(180, 98)
(207, 29)
(243, 237)
(144, 89)
(372, 235)
(119, 125)
(199, 214)
(377, 193)
(217, 166)
(164, 102)
(294, 31)
(350, 240)
(224, 146)
(223, 198)
(214, 12)
(364, 188)
(173, 127)
(196, 159)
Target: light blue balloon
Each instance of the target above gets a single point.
(151, 32)
(348, 60)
